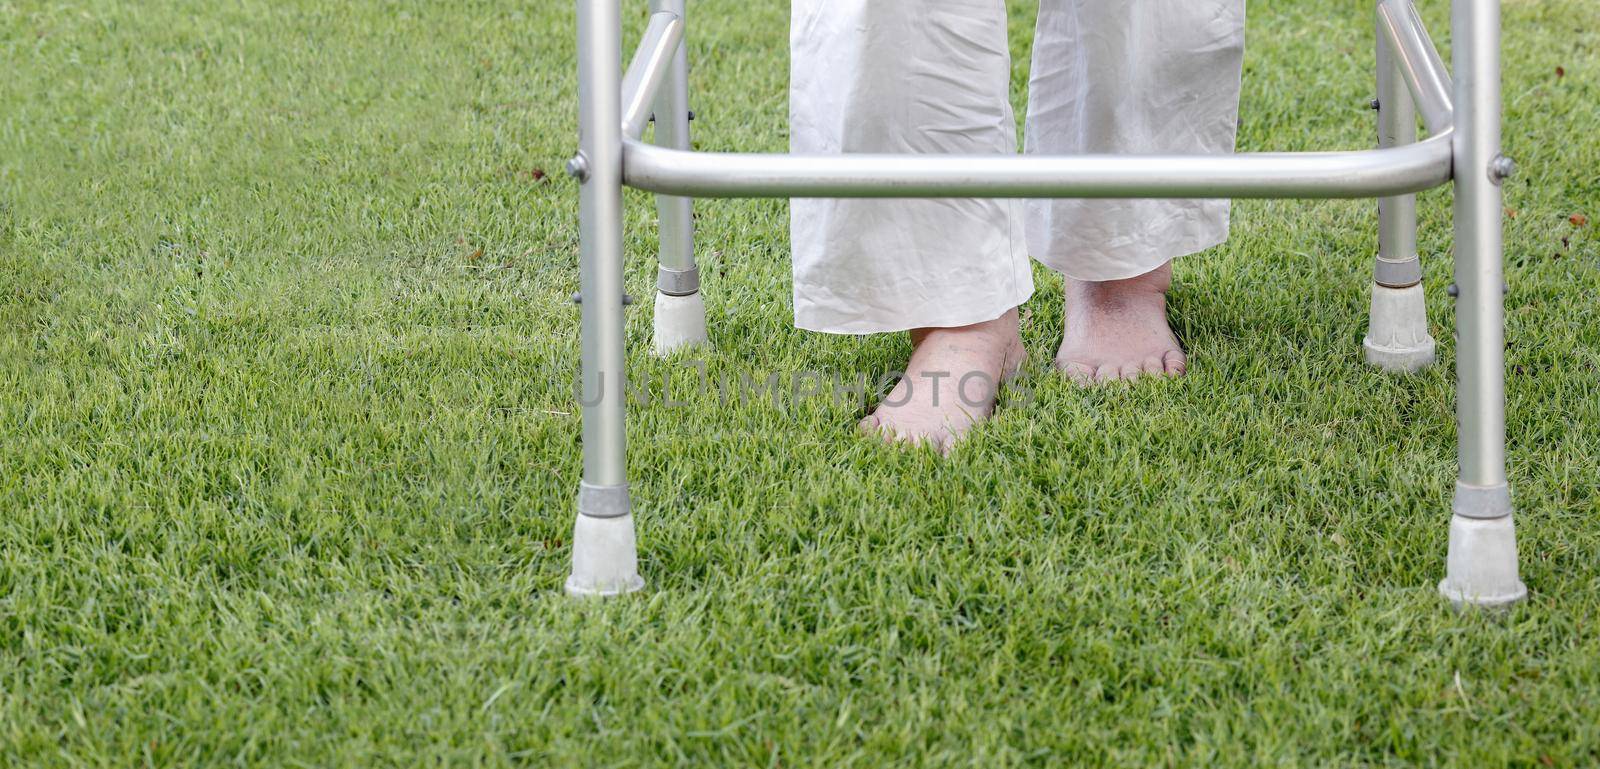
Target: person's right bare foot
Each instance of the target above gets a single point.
(1117, 329)
(950, 383)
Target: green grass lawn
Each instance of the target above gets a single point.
(290, 445)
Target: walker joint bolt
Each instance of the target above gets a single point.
(577, 298)
(1501, 168)
(578, 167)
(1455, 291)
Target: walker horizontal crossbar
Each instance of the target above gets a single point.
(1358, 174)
(1461, 113)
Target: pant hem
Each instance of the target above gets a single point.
(1157, 257)
(946, 321)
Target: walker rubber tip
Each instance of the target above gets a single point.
(605, 559)
(1404, 360)
(577, 589)
(1481, 568)
(680, 323)
(1397, 332)
(1462, 600)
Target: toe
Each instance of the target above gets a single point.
(1107, 372)
(871, 425)
(1174, 363)
(934, 439)
(1152, 365)
(1077, 372)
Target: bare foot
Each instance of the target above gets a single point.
(1117, 329)
(950, 383)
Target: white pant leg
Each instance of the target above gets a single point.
(1145, 77)
(903, 76)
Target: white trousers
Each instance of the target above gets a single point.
(934, 76)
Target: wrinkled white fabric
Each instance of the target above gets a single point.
(933, 76)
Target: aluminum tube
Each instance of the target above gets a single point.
(1430, 52)
(651, 63)
(600, 233)
(1419, 63)
(676, 214)
(1397, 126)
(1362, 174)
(1480, 310)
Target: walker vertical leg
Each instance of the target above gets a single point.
(680, 312)
(1397, 330)
(1482, 565)
(604, 559)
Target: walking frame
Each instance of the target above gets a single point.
(1463, 124)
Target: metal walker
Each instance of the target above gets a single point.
(1463, 148)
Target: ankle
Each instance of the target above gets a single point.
(998, 332)
(1154, 282)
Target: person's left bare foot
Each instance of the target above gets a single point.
(950, 383)
(1117, 329)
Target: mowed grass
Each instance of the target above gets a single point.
(290, 444)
